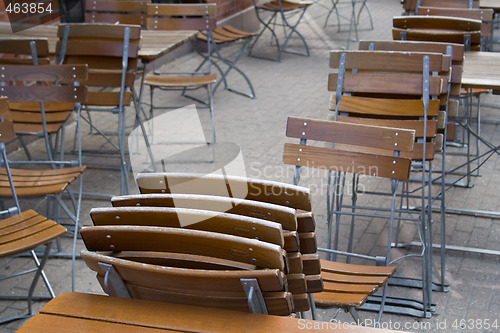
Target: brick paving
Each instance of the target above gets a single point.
(297, 87)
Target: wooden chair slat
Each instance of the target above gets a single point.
(347, 161)
(280, 214)
(214, 221)
(133, 238)
(328, 131)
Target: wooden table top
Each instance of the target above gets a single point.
(155, 43)
(77, 312)
(481, 70)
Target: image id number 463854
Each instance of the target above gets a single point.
(475, 324)
(29, 7)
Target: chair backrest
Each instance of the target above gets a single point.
(411, 6)
(438, 29)
(58, 83)
(483, 15)
(24, 51)
(455, 50)
(111, 53)
(385, 88)
(116, 11)
(226, 261)
(181, 17)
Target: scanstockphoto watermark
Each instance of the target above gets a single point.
(317, 178)
(440, 325)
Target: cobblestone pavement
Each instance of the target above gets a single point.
(297, 87)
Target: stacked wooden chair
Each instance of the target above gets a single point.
(252, 239)
(449, 113)
(199, 17)
(394, 110)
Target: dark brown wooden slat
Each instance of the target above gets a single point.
(135, 238)
(283, 215)
(182, 9)
(408, 62)
(221, 222)
(353, 134)
(386, 84)
(113, 31)
(415, 46)
(366, 164)
(384, 106)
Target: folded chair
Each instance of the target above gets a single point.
(111, 53)
(188, 267)
(184, 17)
(449, 30)
(23, 231)
(456, 51)
(29, 120)
(47, 179)
(345, 286)
(287, 12)
(361, 74)
(116, 11)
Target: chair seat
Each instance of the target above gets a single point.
(177, 81)
(30, 183)
(287, 5)
(25, 231)
(226, 34)
(344, 300)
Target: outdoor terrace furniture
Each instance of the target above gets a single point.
(290, 13)
(22, 231)
(345, 286)
(361, 99)
(29, 120)
(81, 313)
(111, 53)
(46, 179)
(184, 17)
(228, 35)
(438, 29)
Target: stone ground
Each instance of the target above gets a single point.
(297, 87)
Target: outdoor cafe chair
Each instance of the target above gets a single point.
(22, 231)
(361, 99)
(29, 119)
(47, 180)
(456, 51)
(345, 286)
(199, 17)
(111, 53)
(290, 13)
(449, 30)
